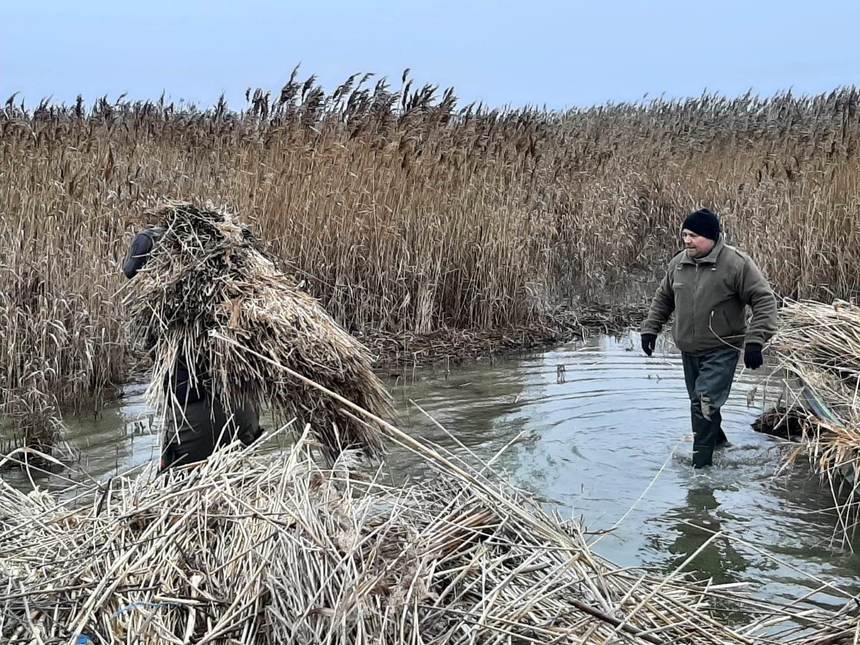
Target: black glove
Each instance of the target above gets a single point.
(649, 342)
(752, 356)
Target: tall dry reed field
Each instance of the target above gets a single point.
(404, 212)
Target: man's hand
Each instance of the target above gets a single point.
(649, 342)
(752, 356)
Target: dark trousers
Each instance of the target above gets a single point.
(196, 429)
(709, 380)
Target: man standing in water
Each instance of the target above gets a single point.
(709, 286)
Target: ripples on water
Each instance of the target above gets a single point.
(617, 426)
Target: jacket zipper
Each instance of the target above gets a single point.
(693, 300)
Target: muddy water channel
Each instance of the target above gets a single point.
(602, 433)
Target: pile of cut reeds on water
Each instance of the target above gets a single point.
(819, 346)
(212, 299)
(252, 546)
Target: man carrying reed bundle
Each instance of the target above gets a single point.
(223, 319)
(708, 286)
(196, 420)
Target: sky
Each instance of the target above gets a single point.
(531, 52)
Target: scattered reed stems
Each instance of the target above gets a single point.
(256, 547)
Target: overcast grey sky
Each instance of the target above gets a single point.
(538, 52)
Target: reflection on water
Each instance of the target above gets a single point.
(600, 432)
(695, 524)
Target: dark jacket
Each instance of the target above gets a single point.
(709, 297)
(141, 247)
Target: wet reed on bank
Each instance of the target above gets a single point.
(818, 345)
(404, 212)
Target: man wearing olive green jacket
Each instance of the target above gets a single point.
(709, 286)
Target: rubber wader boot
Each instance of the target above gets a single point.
(709, 381)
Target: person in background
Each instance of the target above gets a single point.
(709, 286)
(197, 422)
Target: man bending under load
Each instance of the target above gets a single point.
(196, 423)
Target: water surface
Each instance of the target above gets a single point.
(609, 437)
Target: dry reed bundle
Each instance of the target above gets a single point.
(212, 299)
(820, 345)
(257, 548)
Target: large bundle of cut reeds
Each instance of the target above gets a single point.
(255, 547)
(819, 346)
(210, 298)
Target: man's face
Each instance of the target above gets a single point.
(697, 246)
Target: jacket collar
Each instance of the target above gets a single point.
(710, 258)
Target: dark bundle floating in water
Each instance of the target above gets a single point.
(786, 423)
(211, 298)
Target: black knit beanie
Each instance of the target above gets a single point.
(703, 222)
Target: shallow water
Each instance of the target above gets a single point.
(608, 440)
(615, 436)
